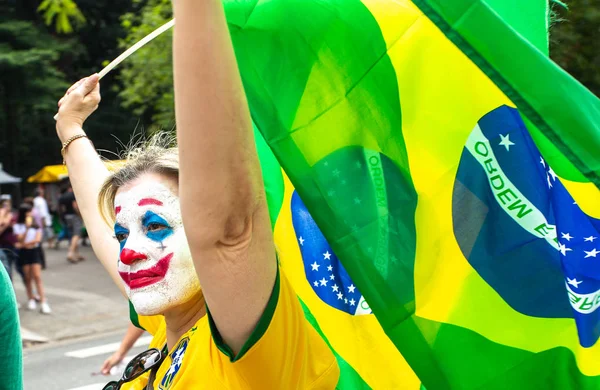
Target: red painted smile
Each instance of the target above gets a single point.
(148, 276)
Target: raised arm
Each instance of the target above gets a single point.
(86, 171)
(222, 198)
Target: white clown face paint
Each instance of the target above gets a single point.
(155, 260)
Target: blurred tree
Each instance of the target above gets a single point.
(148, 74)
(29, 84)
(64, 14)
(37, 65)
(99, 42)
(575, 41)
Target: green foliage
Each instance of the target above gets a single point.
(64, 13)
(148, 74)
(30, 82)
(575, 41)
(36, 67)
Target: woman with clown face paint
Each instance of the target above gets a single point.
(190, 228)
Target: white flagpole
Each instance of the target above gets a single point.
(133, 49)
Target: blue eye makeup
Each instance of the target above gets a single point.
(156, 227)
(121, 235)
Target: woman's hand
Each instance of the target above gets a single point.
(78, 103)
(111, 362)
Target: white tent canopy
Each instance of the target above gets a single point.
(5, 178)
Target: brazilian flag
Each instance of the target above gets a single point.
(439, 220)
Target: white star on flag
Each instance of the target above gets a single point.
(590, 238)
(549, 182)
(346, 301)
(574, 282)
(323, 282)
(315, 266)
(352, 302)
(301, 240)
(332, 277)
(506, 142)
(542, 161)
(351, 288)
(340, 295)
(591, 253)
(327, 255)
(316, 283)
(552, 174)
(563, 248)
(329, 268)
(335, 288)
(566, 236)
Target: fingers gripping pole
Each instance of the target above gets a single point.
(133, 49)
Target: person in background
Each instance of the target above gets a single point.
(7, 238)
(11, 369)
(131, 336)
(39, 221)
(73, 224)
(29, 237)
(41, 206)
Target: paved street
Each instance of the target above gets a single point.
(84, 300)
(88, 311)
(74, 364)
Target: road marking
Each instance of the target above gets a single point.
(106, 348)
(95, 386)
(76, 295)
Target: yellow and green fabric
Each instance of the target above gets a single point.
(443, 187)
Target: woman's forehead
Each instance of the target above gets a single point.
(145, 194)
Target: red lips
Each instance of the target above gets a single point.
(148, 276)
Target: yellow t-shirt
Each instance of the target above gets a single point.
(283, 352)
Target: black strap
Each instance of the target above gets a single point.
(150, 384)
(152, 376)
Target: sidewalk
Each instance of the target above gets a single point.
(83, 298)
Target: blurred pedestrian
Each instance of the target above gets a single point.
(7, 237)
(39, 221)
(29, 237)
(73, 223)
(41, 205)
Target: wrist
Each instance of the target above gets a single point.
(67, 130)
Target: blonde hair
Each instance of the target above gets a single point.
(158, 154)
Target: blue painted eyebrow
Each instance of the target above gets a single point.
(120, 229)
(159, 236)
(151, 217)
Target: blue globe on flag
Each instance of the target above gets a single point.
(323, 270)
